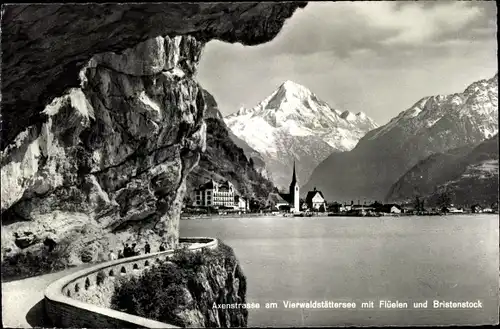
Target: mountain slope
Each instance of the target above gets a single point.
(467, 175)
(433, 125)
(293, 124)
(212, 111)
(423, 178)
(224, 160)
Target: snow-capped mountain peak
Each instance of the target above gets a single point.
(290, 89)
(293, 122)
(292, 104)
(478, 102)
(286, 98)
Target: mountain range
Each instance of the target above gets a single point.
(465, 175)
(433, 125)
(293, 124)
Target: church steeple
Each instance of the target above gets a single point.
(294, 177)
(294, 191)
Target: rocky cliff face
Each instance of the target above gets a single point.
(97, 145)
(432, 125)
(214, 285)
(115, 151)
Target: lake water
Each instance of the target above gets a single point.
(337, 259)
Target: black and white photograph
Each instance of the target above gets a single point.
(249, 164)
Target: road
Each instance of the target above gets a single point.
(22, 300)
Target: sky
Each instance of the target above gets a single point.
(376, 57)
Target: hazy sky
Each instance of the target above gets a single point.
(378, 57)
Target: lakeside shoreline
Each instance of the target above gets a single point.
(247, 215)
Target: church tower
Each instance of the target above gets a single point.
(294, 191)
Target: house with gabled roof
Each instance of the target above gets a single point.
(277, 201)
(315, 200)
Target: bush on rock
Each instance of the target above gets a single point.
(182, 291)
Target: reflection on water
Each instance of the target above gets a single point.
(405, 259)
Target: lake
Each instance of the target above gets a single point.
(355, 259)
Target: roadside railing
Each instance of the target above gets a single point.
(65, 311)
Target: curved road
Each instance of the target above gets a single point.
(22, 300)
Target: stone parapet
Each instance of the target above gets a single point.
(65, 311)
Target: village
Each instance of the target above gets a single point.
(221, 198)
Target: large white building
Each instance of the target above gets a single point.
(214, 194)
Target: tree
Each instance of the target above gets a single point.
(377, 205)
(444, 199)
(419, 204)
(322, 208)
(188, 201)
(256, 204)
(253, 205)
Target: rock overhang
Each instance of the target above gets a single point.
(44, 47)
(107, 149)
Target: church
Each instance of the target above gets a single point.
(293, 195)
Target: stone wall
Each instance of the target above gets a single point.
(63, 298)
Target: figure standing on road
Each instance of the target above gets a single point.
(126, 251)
(112, 255)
